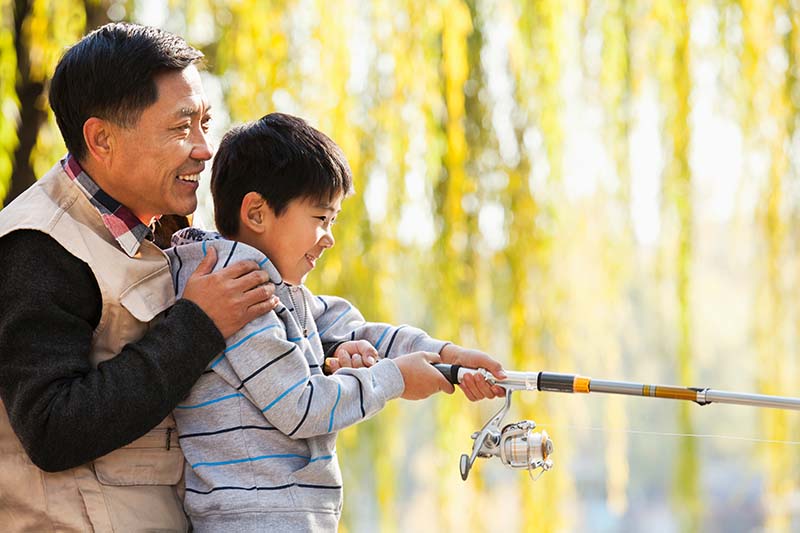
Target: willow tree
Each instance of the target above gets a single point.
(673, 64)
(769, 120)
(33, 35)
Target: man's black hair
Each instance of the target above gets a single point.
(280, 157)
(111, 74)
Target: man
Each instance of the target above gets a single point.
(95, 351)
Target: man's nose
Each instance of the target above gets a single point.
(202, 150)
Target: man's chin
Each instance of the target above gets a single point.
(185, 208)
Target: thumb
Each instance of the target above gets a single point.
(444, 385)
(371, 351)
(497, 370)
(432, 357)
(206, 266)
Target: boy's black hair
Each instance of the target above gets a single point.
(280, 157)
(110, 74)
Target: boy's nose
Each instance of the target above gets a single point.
(327, 240)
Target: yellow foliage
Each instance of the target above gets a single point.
(532, 258)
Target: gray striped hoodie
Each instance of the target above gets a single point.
(258, 430)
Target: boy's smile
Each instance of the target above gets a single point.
(295, 240)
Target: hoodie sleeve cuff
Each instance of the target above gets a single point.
(429, 344)
(387, 378)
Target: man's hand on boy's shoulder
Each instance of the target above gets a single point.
(232, 296)
(474, 386)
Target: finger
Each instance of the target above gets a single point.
(466, 386)
(270, 287)
(252, 279)
(368, 352)
(483, 387)
(496, 369)
(331, 365)
(257, 310)
(482, 360)
(470, 388)
(206, 266)
(498, 391)
(467, 393)
(260, 294)
(344, 358)
(366, 348)
(445, 386)
(357, 361)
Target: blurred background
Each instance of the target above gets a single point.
(608, 188)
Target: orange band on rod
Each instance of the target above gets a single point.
(580, 384)
(675, 393)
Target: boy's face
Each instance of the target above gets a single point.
(296, 239)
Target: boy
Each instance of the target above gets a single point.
(259, 428)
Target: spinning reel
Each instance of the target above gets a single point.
(517, 445)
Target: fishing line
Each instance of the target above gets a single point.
(670, 434)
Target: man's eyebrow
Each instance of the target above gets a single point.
(190, 111)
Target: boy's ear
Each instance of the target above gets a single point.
(98, 136)
(253, 212)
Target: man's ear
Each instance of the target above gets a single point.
(98, 136)
(254, 212)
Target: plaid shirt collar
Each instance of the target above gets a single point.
(126, 228)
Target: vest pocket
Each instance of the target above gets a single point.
(155, 459)
(148, 297)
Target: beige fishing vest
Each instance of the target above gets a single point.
(130, 489)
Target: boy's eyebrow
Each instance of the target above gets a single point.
(327, 207)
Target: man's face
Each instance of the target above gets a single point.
(296, 239)
(156, 163)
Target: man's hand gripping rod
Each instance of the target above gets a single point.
(519, 447)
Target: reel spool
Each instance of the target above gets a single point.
(521, 447)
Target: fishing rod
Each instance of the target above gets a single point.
(519, 446)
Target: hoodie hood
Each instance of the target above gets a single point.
(191, 244)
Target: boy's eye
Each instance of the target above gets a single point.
(328, 221)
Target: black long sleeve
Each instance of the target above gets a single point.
(64, 411)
